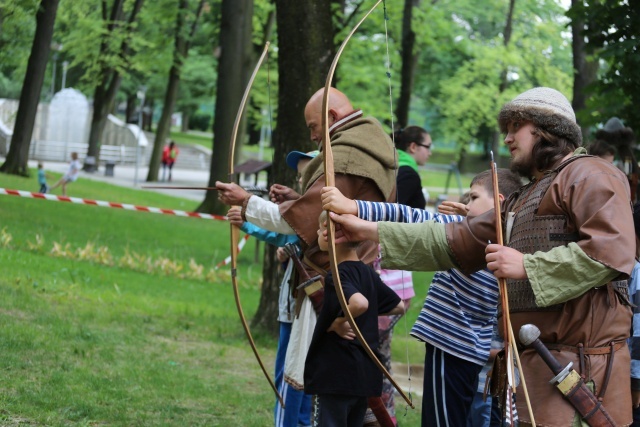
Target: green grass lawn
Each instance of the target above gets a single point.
(192, 138)
(206, 140)
(89, 343)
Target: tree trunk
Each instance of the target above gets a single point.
(409, 61)
(185, 122)
(180, 53)
(103, 101)
(147, 114)
(306, 49)
(105, 91)
(508, 30)
(584, 69)
(130, 112)
(18, 155)
(164, 124)
(234, 65)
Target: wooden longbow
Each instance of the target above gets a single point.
(329, 174)
(235, 231)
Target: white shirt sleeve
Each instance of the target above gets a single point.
(265, 214)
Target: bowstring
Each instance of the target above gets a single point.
(395, 156)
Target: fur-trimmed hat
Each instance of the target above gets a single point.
(548, 109)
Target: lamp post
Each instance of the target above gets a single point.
(141, 95)
(65, 67)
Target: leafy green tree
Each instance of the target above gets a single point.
(261, 105)
(611, 28)
(18, 156)
(150, 60)
(372, 53)
(197, 87)
(199, 76)
(110, 74)
(17, 28)
(102, 42)
(467, 71)
(239, 38)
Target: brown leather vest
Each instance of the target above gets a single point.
(531, 233)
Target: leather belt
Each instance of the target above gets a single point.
(585, 350)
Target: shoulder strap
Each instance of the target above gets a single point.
(314, 266)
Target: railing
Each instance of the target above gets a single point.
(118, 142)
(59, 151)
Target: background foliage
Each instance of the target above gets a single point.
(460, 58)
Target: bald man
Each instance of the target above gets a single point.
(364, 165)
(339, 107)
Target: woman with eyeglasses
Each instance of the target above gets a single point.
(414, 149)
(413, 145)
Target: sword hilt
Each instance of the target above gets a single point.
(569, 382)
(530, 336)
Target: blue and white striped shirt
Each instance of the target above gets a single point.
(459, 310)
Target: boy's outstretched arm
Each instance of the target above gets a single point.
(452, 208)
(333, 200)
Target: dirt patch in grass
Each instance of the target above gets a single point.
(16, 314)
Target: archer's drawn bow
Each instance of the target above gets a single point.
(329, 176)
(509, 339)
(235, 231)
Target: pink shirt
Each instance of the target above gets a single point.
(400, 281)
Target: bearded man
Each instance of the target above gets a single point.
(569, 248)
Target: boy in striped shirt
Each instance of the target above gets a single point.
(456, 321)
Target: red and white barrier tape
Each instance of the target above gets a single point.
(227, 260)
(4, 191)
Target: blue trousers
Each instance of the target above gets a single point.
(297, 404)
(450, 384)
(485, 414)
(480, 411)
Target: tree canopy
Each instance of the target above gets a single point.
(464, 69)
(612, 32)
